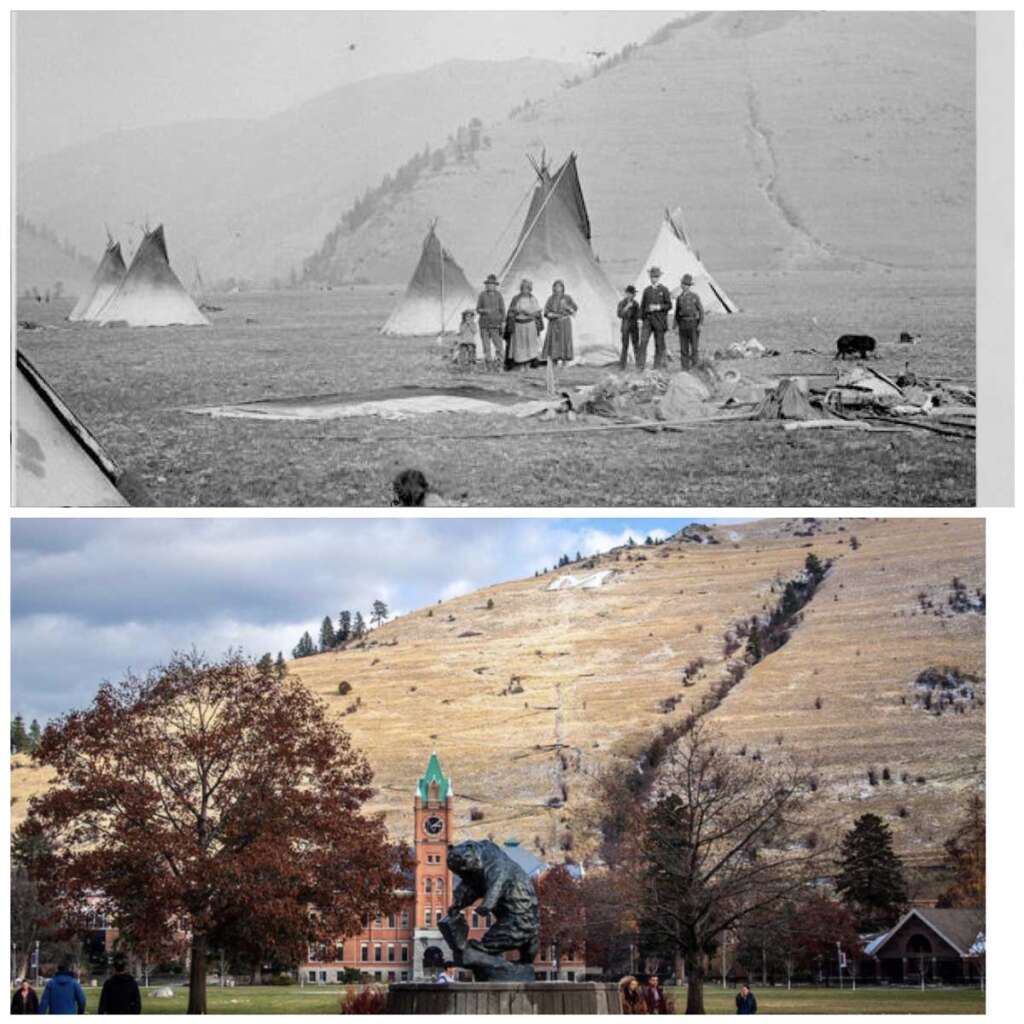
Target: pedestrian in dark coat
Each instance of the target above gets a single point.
(745, 1001)
(654, 997)
(689, 317)
(120, 991)
(631, 996)
(628, 312)
(25, 999)
(63, 994)
(654, 309)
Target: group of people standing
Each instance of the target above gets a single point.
(652, 311)
(64, 994)
(511, 338)
(649, 998)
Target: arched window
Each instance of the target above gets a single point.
(427, 883)
(918, 945)
(434, 792)
(440, 886)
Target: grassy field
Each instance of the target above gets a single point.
(133, 388)
(866, 1000)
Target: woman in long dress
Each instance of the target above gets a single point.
(524, 326)
(559, 311)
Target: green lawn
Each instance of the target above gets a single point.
(326, 999)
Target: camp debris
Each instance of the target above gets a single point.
(788, 401)
(150, 294)
(437, 294)
(109, 274)
(554, 244)
(865, 388)
(675, 256)
(750, 349)
(57, 462)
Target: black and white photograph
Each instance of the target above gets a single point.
(513, 259)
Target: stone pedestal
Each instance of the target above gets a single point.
(549, 997)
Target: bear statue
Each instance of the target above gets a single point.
(506, 894)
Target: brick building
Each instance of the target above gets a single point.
(394, 947)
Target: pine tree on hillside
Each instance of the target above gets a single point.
(34, 735)
(280, 668)
(328, 641)
(871, 881)
(358, 627)
(266, 663)
(379, 614)
(305, 647)
(344, 627)
(19, 738)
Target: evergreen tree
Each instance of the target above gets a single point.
(34, 734)
(870, 880)
(266, 663)
(344, 627)
(19, 738)
(379, 613)
(328, 641)
(305, 647)
(280, 668)
(965, 857)
(358, 626)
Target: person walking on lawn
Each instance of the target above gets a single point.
(63, 994)
(120, 991)
(25, 999)
(745, 1000)
(654, 997)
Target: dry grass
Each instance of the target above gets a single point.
(132, 388)
(594, 666)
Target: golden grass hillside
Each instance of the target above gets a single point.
(526, 692)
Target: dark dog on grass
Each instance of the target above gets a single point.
(854, 345)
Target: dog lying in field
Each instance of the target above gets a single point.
(854, 345)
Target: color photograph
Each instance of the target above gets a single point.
(282, 766)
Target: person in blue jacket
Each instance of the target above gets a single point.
(63, 994)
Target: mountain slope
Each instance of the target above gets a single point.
(593, 669)
(42, 261)
(789, 139)
(250, 199)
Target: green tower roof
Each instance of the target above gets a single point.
(434, 774)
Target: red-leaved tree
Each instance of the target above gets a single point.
(562, 914)
(211, 800)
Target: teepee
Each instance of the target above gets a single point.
(57, 462)
(553, 245)
(109, 274)
(673, 254)
(150, 295)
(436, 296)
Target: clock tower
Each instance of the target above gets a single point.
(432, 826)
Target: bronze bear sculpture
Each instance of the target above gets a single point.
(486, 873)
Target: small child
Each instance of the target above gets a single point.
(629, 313)
(464, 350)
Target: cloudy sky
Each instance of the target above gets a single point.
(93, 598)
(82, 73)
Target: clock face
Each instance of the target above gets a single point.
(433, 826)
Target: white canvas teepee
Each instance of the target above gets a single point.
(57, 462)
(674, 255)
(151, 294)
(436, 295)
(553, 245)
(108, 275)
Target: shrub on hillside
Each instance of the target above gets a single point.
(344, 687)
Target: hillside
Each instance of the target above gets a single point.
(250, 199)
(43, 260)
(831, 140)
(595, 665)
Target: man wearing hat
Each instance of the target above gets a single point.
(490, 311)
(689, 316)
(654, 307)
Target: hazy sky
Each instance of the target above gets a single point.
(80, 74)
(93, 598)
